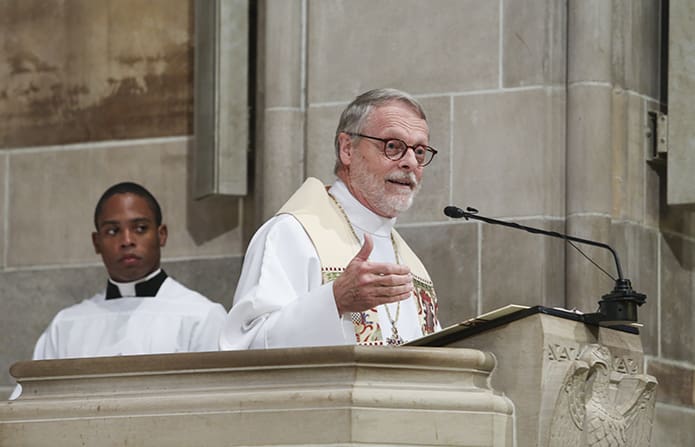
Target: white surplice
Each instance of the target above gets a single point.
(280, 300)
(177, 319)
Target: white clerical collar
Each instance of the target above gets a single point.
(128, 289)
(360, 216)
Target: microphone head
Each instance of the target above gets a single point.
(454, 211)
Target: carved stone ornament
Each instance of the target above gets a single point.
(598, 406)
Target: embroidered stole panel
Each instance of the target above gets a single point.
(366, 323)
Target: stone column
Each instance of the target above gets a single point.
(281, 103)
(589, 156)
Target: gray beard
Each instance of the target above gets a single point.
(375, 193)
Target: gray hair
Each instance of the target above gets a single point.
(356, 114)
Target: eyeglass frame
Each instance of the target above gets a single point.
(430, 149)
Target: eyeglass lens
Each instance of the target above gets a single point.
(395, 150)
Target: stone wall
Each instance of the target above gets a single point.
(94, 93)
(492, 80)
(539, 110)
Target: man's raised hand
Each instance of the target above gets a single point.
(365, 284)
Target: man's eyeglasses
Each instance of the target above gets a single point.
(395, 149)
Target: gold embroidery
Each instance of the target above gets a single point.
(395, 339)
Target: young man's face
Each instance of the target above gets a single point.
(128, 238)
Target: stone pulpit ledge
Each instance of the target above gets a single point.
(343, 395)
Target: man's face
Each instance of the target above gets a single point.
(387, 187)
(128, 238)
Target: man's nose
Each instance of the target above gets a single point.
(408, 160)
(127, 238)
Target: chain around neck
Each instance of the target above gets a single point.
(395, 338)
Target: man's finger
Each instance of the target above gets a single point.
(391, 280)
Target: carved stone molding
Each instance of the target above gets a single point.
(601, 403)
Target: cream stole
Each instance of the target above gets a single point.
(336, 245)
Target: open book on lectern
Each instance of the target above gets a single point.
(462, 329)
(500, 317)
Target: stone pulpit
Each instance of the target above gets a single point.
(573, 384)
(526, 377)
(330, 396)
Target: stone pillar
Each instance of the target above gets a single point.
(281, 103)
(589, 155)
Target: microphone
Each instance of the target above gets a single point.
(618, 307)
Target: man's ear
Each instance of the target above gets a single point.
(346, 148)
(96, 242)
(163, 233)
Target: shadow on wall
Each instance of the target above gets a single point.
(677, 226)
(212, 216)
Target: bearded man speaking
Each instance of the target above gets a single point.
(329, 268)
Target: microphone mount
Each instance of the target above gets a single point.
(619, 307)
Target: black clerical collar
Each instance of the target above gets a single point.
(146, 288)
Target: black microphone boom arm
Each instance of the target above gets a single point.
(615, 308)
(456, 212)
